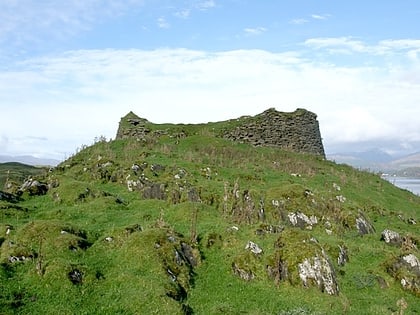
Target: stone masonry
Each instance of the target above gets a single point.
(132, 126)
(296, 131)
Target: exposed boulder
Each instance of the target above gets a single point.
(22, 258)
(343, 256)
(363, 225)
(188, 254)
(320, 271)
(301, 220)
(406, 269)
(157, 169)
(133, 184)
(278, 270)
(253, 248)
(155, 191)
(75, 276)
(179, 260)
(34, 187)
(243, 273)
(412, 261)
(391, 237)
(194, 195)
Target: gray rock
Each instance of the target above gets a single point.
(193, 195)
(343, 257)
(412, 261)
(254, 248)
(75, 276)
(301, 220)
(411, 221)
(244, 274)
(188, 254)
(391, 237)
(34, 187)
(320, 271)
(278, 272)
(406, 269)
(155, 191)
(363, 225)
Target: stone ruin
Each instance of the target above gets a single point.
(132, 126)
(296, 131)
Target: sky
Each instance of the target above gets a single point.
(69, 70)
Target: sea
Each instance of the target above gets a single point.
(408, 183)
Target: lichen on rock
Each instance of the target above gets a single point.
(319, 270)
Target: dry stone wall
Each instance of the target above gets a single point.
(297, 131)
(132, 126)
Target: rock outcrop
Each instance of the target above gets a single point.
(319, 270)
(406, 269)
(391, 237)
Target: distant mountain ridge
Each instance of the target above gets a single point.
(412, 160)
(377, 160)
(16, 172)
(29, 160)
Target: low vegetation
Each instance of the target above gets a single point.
(201, 225)
(15, 173)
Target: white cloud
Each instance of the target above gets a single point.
(23, 21)
(338, 44)
(401, 43)
(299, 21)
(320, 16)
(189, 7)
(204, 5)
(183, 14)
(73, 97)
(255, 31)
(348, 44)
(163, 23)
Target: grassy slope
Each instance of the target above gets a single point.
(17, 172)
(128, 275)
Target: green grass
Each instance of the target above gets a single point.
(15, 173)
(129, 274)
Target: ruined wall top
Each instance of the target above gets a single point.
(296, 131)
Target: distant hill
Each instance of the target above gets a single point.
(409, 161)
(29, 159)
(17, 172)
(379, 161)
(408, 166)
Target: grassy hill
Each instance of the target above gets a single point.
(163, 226)
(17, 172)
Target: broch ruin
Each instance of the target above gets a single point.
(296, 131)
